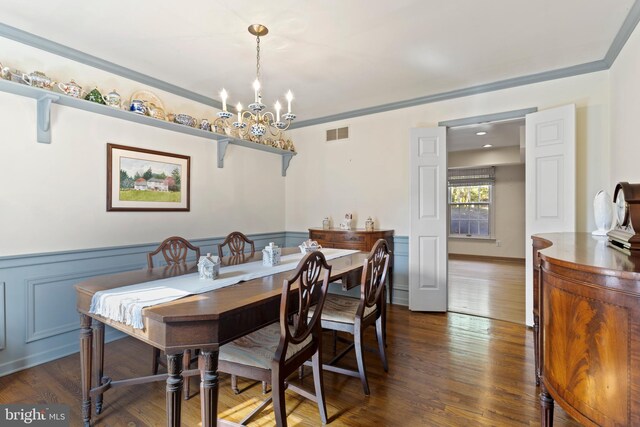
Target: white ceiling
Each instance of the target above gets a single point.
(499, 134)
(335, 55)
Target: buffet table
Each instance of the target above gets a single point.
(588, 301)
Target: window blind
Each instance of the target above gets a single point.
(471, 176)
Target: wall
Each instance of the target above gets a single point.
(368, 174)
(509, 220)
(484, 157)
(53, 205)
(58, 198)
(625, 111)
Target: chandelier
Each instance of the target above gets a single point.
(255, 124)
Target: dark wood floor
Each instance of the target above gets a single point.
(487, 287)
(445, 370)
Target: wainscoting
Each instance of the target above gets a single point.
(38, 319)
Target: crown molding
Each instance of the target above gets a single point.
(628, 25)
(93, 61)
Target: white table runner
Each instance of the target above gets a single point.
(125, 304)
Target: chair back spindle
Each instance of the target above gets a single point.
(236, 241)
(374, 276)
(174, 250)
(312, 278)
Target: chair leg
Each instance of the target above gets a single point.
(382, 342)
(301, 372)
(357, 340)
(154, 362)
(319, 385)
(186, 364)
(279, 406)
(264, 387)
(234, 384)
(335, 342)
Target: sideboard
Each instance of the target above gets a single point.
(358, 239)
(588, 305)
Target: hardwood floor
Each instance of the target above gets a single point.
(444, 370)
(486, 287)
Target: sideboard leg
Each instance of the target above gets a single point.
(536, 347)
(174, 389)
(86, 338)
(209, 387)
(546, 408)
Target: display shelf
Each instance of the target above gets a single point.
(45, 98)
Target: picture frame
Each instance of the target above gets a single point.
(145, 180)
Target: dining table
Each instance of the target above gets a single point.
(201, 322)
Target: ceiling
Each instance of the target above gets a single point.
(335, 55)
(499, 134)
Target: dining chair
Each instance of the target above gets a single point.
(276, 351)
(174, 250)
(352, 315)
(236, 241)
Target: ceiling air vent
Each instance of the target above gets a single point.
(337, 134)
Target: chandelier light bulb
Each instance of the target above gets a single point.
(224, 95)
(277, 107)
(289, 99)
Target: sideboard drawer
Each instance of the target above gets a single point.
(349, 238)
(351, 245)
(320, 235)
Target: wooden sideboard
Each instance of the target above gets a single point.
(588, 312)
(358, 239)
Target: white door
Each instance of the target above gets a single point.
(550, 180)
(428, 237)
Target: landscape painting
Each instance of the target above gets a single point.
(146, 180)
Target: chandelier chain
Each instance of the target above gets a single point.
(258, 58)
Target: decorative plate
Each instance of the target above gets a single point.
(145, 95)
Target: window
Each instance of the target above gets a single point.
(471, 202)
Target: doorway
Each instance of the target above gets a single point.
(486, 219)
(550, 189)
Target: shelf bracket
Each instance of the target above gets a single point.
(286, 158)
(43, 116)
(222, 150)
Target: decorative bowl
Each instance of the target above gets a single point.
(185, 119)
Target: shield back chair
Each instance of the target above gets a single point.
(351, 315)
(276, 351)
(174, 251)
(236, 241)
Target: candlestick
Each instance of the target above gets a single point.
(239, 107)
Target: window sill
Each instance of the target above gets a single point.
(482, 239)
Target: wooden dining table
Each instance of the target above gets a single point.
(201, 322)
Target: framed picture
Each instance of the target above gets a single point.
(146, 180)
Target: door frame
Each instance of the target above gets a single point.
(487, 118)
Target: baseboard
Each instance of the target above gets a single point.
(35, 359)
(485, 258)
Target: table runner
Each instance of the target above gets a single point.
(125, 304)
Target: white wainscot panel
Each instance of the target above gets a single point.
(549, 188)
(429, 265)
(428, 192)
